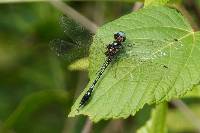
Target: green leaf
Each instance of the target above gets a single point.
(157, 123)
(160, 61)
(194, 93)
(155, 2)
(80, 64)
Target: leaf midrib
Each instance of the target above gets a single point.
(156, 27)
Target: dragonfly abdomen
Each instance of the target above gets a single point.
(87, 95)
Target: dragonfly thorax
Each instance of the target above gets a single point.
(113, 48)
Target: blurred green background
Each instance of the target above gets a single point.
(36, 88)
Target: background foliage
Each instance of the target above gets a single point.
(37, 89)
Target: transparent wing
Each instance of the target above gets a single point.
(76, 32)
(67, 50)
(77, 41)
(149, 50)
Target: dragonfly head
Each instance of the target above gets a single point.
(120, 36)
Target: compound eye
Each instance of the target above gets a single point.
(123, 35)
(124, 38)
(116, 35)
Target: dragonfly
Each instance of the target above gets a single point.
(77, 45)
(112, 50)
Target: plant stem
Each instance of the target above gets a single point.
(70, 12)
(87, 127)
